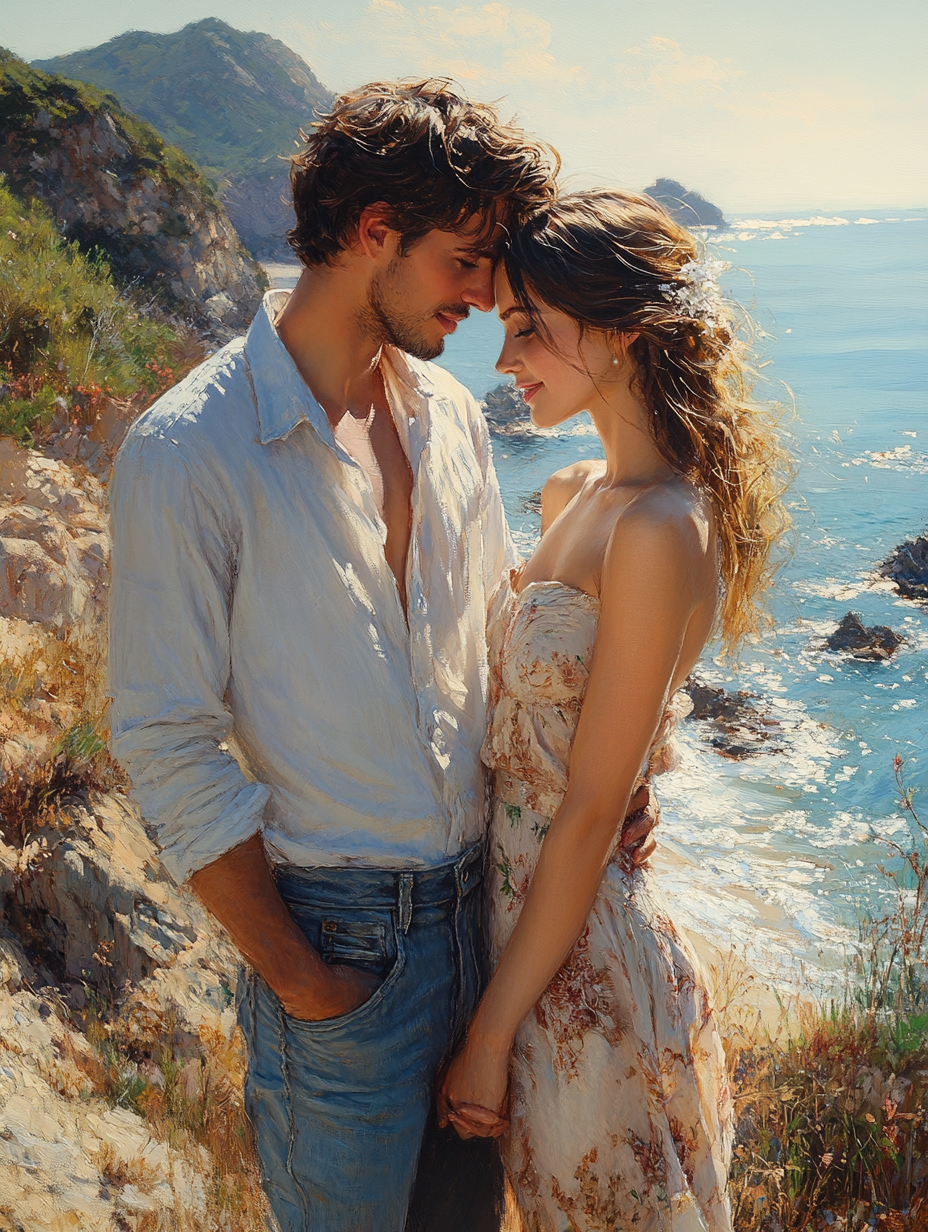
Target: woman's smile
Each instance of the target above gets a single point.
(529, 390)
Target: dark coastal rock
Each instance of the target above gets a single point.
(506, 411)
(907, 566)
(686, 207)
(738, 727)
(875, 643)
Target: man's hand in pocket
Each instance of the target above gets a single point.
(345, 989)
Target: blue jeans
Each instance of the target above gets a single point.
(339, 1106)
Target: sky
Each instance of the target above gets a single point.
(781, 105)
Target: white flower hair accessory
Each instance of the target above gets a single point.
(697, 293)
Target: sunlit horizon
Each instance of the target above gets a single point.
(812, 109)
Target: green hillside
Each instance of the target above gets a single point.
(232, 101)
(26, 95)
(113, 186)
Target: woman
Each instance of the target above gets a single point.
(593, 1049)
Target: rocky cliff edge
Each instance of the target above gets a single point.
(113, 185)
(120, 1072)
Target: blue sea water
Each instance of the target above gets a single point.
(776, 855)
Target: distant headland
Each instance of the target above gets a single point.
(687, 207)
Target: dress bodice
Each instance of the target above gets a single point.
(541, 642)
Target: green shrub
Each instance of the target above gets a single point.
(68, 337)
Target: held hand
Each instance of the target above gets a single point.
(346, 989)
(637, 840)
(472, 1092)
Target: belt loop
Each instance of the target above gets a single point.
(404, 902)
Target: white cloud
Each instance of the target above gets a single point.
(670, 75)
(748, 129)
(490, 45)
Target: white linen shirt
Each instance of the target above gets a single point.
(262, 672)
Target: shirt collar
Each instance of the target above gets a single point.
(283, 397)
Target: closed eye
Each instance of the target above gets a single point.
(524, 333)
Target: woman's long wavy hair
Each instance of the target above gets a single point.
(611, 260)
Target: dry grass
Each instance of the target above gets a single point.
(52, 694)
(189, 1093)
(832, 1103)
(832, 1124)
(116, 1171)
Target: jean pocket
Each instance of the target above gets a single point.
(369, 945)
(358, 943)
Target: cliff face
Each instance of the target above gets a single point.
(687, 207)
(120, 1072)
(112, 184)
(232, 101)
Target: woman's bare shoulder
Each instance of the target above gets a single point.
(561, 487)
(671, 522)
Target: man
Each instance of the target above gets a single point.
(306, 534)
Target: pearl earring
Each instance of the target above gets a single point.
(615, 361)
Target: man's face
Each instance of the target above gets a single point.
(419, 298)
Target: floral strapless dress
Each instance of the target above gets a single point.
(621, 1108)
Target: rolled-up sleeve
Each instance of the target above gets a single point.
(173, 569)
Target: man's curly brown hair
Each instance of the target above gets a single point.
(435, 159)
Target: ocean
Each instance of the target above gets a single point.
(776, 855)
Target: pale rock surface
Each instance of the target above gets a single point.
(91, 896)
(88, 916)
(54, 547)
(67, 1159)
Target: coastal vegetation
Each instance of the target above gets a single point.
(117, 189)
(69, 337)
(832, 1101)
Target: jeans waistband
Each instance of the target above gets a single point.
(379, 887)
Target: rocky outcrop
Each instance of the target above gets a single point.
(506, 411)
(875, 643)
(120, 1072)
(98, 938)
(907, 566)
(687, 207)
(88, 901)
(736, 726)
(112, 185)
(54, 547)
(233, 101)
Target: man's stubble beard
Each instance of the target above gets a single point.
(386, 322)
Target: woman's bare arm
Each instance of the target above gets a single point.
(656, 573)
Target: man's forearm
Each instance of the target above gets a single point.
(240, 892)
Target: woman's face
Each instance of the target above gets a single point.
(560, 376)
